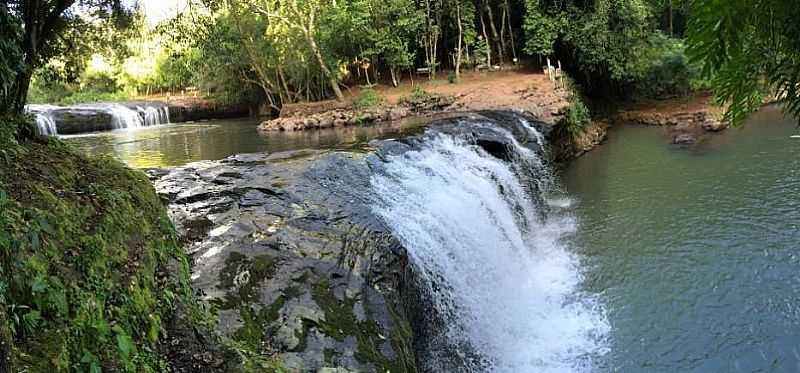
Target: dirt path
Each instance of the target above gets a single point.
(515, 90)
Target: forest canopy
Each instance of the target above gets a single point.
(286, 51)
(268, 52)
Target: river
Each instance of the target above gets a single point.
(177, 144)
(695, 252)
(654, 258)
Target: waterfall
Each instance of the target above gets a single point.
(496, 269)
(123, 116)
(45, 124)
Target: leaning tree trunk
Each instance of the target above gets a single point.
(18, 94)
(501, 51)
(486, 39)
(395, 76)
(324, 67)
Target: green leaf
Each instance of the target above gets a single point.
(124, 342)
(39, 285)
(45, 226)
(91, 360)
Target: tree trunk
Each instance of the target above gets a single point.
(669, 2)
(21, 85)
(324, 67)
(393, 73)
(503, 32)
(486, 39)
(511, 30)
(501, 53)
(460, 36)
(282, 79)
(366, 74)
(431, 38)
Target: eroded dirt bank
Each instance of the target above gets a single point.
(529, 93)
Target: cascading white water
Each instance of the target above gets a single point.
(45, 124)
(504, 279)
(140, 116)
(123, 117)
(154, 115)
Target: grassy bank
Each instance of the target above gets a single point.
(90, 267)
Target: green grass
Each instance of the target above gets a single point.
(368, 98)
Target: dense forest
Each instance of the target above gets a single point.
(274, 52)
(281, 52)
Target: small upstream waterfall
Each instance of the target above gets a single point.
(122, 116)
(497, 271)
(45, 124)
(137, 116)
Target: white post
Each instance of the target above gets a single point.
(549, 69)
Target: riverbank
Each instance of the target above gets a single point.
(687, 120)
(522, 91)
(92, 276)
(529, 93)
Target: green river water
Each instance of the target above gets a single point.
(694, 252)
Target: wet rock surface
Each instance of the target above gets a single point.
(298, 268)
(292, 262)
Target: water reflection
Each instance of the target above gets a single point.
(177, 144)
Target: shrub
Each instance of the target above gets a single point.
(576, 115)
(417, 94)
(663, 69)
(451, 77)
(366, 99)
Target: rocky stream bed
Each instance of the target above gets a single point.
(297, 265)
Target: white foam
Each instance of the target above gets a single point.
(509, 281)
(123, 117)
(45, 124)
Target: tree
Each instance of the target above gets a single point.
(501, 52)
(749, 49)
(303, 16)
(430, 38)
(10, 57)
(34, 27)
(463, 14)
(394, 25)
(542, 26)
(602, 41)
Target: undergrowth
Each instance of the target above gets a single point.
(84, 248)
(576, 114)
(368, 98)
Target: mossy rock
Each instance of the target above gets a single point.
(91, 271)
(294, 275)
